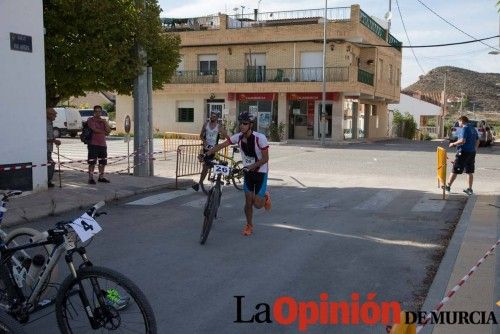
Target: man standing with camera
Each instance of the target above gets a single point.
(97, 149)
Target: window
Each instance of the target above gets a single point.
(207, 64)
(185, 111)
(380, 69)
(185, 115)
(255, 64)
(180, 67)
(391, 74)
(398, 77)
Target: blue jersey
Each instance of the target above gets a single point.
(469, 134)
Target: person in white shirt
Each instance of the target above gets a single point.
(255, 156)
(209, 135)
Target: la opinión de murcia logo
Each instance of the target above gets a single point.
(288, 311)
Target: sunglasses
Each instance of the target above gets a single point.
(244, 123)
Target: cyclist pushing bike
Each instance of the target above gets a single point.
(210, 134)
(255, 155)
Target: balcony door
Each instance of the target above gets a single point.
(311, 66)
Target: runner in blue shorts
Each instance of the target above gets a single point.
(255, 155)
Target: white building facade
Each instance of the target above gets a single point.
(22, 95)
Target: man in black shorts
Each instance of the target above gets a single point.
(467, 144)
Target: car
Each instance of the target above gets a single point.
(480, 127)
(87, 113)
(68, 121)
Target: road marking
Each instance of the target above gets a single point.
(429, 204)
(163, 197)
(379, 200)
(200, 202)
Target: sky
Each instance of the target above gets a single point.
(478, 18)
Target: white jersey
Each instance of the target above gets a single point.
(211, 135)
(251, 149)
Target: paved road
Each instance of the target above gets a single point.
(353, 218)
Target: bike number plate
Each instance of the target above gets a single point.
(221, 169)
(85, 227)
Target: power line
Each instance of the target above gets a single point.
(454, 55)
(409, 42)
(430, 45)
(454, 26)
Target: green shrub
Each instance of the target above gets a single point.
(277, 132)
(406, 126)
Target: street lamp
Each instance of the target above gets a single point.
(323, 114)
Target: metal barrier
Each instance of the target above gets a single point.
(171, 141)
(187, 161)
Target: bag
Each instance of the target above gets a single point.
(86, 134)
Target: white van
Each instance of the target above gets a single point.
(68, 121)
(87, 113)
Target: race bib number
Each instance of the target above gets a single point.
(247, 161)
(220, 169)
(85, 227)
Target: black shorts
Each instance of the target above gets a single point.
(464, 161)
(97, 152)
(256, 183)
(209, 157)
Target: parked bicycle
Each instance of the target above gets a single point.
(23, 235)
(90, 298)
(221, 171)
(235, 178)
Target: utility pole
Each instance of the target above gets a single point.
(323, 97)
(441, 125)
(388, 17)
(141, 159)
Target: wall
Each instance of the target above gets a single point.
(415, 107)
(22, 100)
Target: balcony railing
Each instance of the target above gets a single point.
(365, 77)
(287, 17)
(394, 42)
(189, 77)
(371, 24)
(310, 74)
(189, 24)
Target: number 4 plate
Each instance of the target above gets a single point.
(221, 169)
(86, 227)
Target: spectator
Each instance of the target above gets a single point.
(97, 149)
(51, 116)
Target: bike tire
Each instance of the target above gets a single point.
(21, 236)
(85, 274)
(205, 186)
(238, 179)
(9, 325)
(209, 216)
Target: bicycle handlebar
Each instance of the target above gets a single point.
(11, 193)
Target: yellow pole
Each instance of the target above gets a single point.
(165, 146)
(441, 168)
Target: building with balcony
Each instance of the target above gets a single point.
(272, 64)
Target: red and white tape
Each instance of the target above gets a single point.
(21, 167)
(450, 293)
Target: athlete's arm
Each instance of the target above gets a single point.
(218, 147)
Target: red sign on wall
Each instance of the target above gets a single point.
(330, 96)
(255, 96)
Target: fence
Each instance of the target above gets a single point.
(171, 140)
(187, 161)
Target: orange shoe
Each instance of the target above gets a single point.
(267, 203)
(247, 231)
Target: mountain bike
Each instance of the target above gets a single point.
(90, 298)
(235, 178)
(220, 170)
(19, 236)
(9, 325)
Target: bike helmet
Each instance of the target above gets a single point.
(246, 117)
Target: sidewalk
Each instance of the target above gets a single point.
(477, 231)
(77, 193)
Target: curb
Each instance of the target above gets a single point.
(440, 283)
(118, 195)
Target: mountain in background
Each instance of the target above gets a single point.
(480, 90)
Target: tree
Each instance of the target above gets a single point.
(91, 45)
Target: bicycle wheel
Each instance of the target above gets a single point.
(9, 325)
(206, 184)
(210, 212)
(116, 303)
(239, 177)
(25, 235)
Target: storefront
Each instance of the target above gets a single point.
(304, 114)
(264, 106)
